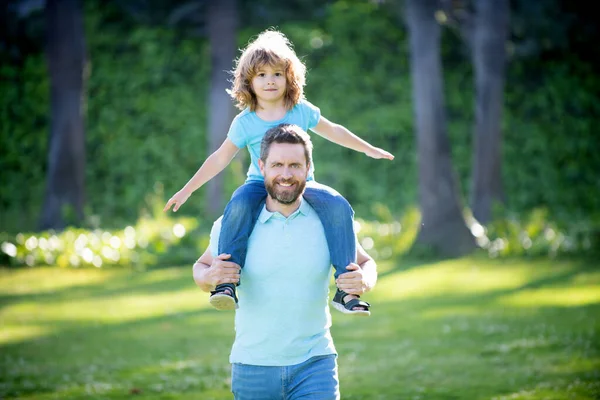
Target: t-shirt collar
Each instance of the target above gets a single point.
(265, 214)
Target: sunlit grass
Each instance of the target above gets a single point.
(470, 328)
(561, 297)
(35, 281)
(15, 334)
(452, 277)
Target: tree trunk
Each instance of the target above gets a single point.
(222, 29)
(66, 59)
(443, 229)
(489, 60)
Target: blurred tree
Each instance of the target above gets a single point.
(64, 198)
(222, 30)
(443, 228)
(489, 61)
(484, 27)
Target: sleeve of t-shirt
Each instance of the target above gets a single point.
(312, 113)
(237, 134)
(215, 232)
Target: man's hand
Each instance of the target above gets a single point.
(376, 152)
(177, 200)
(354, 281)
(221, 271)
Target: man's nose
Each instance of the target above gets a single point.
(287, 173)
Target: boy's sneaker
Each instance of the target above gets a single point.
(348, 307)
(224, 297)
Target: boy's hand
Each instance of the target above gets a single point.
(376, 152)
(178, 199)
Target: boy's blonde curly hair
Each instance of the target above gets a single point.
(270, 48)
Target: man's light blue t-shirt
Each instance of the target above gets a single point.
(248, 129)
(283, 316)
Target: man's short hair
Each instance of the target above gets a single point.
(286, 133)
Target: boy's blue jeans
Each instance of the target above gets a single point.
(336, 214)
(315, 378)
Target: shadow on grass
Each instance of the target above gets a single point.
(462, 346)
(493, 352)
(130, 283)
(154, 355)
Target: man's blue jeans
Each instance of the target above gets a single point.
(336, 214)
(314, 379)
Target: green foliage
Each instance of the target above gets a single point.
(536, 234)
(155, 239)
(24, 108)
(551, 154)
(143, 124)
(387, 237)
(161, 239)
(359, 77)
(145, 94)
(146, 119)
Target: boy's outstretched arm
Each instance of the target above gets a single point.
(342, 136)
(214, 164)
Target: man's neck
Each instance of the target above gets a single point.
(284, 209)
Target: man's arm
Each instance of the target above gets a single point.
(361, 277)
(368, 266)
(209, 271)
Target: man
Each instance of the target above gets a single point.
(283, 348)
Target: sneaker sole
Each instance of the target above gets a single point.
(223, 302)
(343, 310)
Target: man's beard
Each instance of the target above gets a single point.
(285, 196)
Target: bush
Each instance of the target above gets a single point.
(536, 233)
(155, 239)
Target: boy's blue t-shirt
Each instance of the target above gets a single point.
(248, 129)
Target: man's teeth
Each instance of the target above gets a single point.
(285, 184)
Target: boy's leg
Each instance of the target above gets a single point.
(239, 218)
(337, 217)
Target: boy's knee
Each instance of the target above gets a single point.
(340, 207)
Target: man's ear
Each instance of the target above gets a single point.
(261, 165)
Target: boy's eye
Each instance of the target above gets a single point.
(261, 74)
(278, 74)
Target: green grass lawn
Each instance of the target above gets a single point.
(471, 328)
